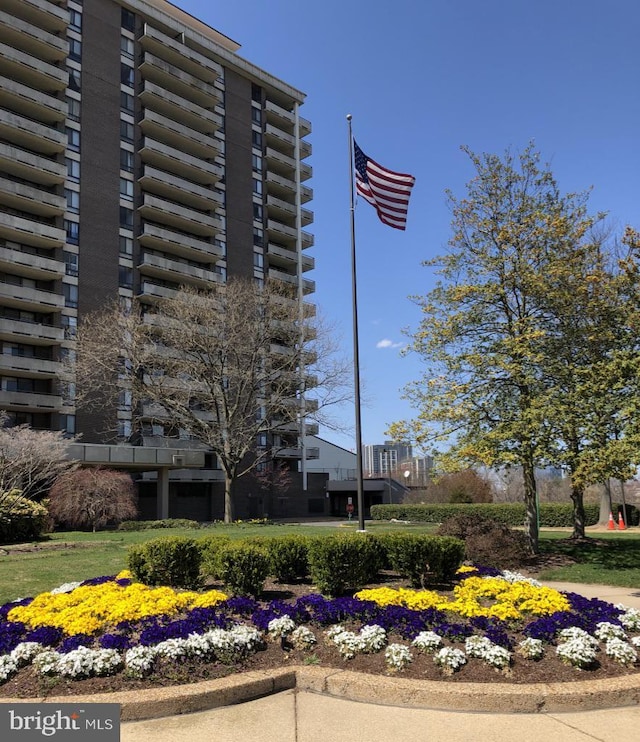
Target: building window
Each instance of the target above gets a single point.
(73, 169)
(258, 237)
(256, 139)
(126, 102)
(126, 245)
(257, 186)
(127, 74)
(257, 211)
(128, 20)
(75, 20)
(124, 428)
(70, 325)
(126, 189)
(73, 109)
(256, 93)
(127, 160)
(75, 49)
(73, 200)
(70, 293)
(256, 115)
(68, 424)
(125, 277)
(256, 162)
(258, 260)
(74, 79)
(70, 263)
(126, 217)
(126, 131)
(126, 46)
(73, 139)
(73, 231)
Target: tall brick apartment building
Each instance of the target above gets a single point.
(138, 152)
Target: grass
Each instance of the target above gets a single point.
(611, 558)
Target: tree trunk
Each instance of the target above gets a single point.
(531, 505)
(577, 495)
(229, 510)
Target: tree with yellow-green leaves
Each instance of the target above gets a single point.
(513, 288)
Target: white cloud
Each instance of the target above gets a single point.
(386, 343)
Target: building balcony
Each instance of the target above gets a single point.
(28, 232)
(310, 453)
(159, 210)
(286, 119)
(293, 426)
(33, 40)
(30, 402)
(28, 367)
(283, 164)
(280, 139)
(178, 135)
(308, 240)
(159, 238)
(178, 81)
(33, 266)
(308, 287)
(174, 106)
(32, 300)
(32, 71)
(169, 158)
(27, 198)
(30, 166)
(30, 134)
(152, 293)
(281, 209)
(306, 216)
(281, 232)
(41, 13)
(178, 189)
(285, 188)
(281, 257)
(33, 333)
(32, 103)
(179, 54)
(174, 270)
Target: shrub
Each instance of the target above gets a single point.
(423, 559)
(288, 557)
(488, 542)
(343, 562)
(243, 568)
(211, 548)
(145, 525)
(172, 561)
(20, 518)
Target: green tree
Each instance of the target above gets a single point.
(482, 330)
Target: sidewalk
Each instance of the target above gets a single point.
(305, 716)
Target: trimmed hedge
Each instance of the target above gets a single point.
(423, 559)
(174, 561)
(211, 548)
(21, 519)
(552, 515)
(288, 557)
(344, 562)
(243, 568)
(146, 525)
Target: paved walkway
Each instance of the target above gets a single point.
(304, 716)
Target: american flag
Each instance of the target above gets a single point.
(388, 192)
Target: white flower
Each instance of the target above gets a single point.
(368, 639)
(450, 659)
(531, 649)
(630, 619)
(484, 649)
(427, 641)
(605, 631)
(8, 667)
(24, 652)
(398, 656)
(173, 649)
(279, 627)
(517, 577)
(579, 651)
(46, 662)
(636, 641)
(302, 638)
(373, 638)
(140, 660)
(573, 632)
(621, 651)
(67, 587)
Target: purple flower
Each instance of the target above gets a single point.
(115, 641)
(47, 635)
(11, 634)
(4, 610)
(75, 641)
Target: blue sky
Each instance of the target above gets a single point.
(421, 78)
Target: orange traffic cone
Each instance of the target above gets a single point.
(621, 525)
(611, 526)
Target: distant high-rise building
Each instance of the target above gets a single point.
(138, 153)
(383, 459)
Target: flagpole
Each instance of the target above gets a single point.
(356, 353)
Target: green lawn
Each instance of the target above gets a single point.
(611, 558)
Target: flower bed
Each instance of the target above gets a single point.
(111, 632)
